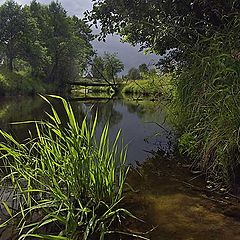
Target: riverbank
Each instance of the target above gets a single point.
(151, 85)
(205, 112)
(20, 83)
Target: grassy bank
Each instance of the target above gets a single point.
(17, 83)
(151, 85)
(206, 108)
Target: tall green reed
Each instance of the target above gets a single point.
(207, 104)
(66, 183)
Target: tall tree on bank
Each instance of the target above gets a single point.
(12, 28)
(35, 50)
(112, 66)
(59, 34)
(107, 67)
(65, 42)
(54, 46)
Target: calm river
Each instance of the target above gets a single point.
(142, 122)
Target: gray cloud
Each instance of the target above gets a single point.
(127, 53)
(75, 7)
(130, 55)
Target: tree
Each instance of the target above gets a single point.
(76, 52)
(12, 28)
(97, 67)
(134, 74)
(34, 50)
(68, 44)
(45, 41)
(143, 68)
(60, 49)
(112, 66)
(58, 36)
(107, 67)
(82, 37)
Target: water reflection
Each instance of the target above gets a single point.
(136, 119)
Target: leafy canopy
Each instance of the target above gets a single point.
(160, 25)
(12, 27)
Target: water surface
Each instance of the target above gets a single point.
(142, 122)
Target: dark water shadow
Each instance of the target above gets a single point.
(169, 197)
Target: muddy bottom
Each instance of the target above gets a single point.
(178, 205)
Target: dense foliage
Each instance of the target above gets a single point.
(133, 74)
(151, 85)
(44, 41)
(13, 83)
(163, 24)
(200, 38)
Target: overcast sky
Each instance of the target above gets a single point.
(128, 54)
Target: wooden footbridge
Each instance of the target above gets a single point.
(114, 86)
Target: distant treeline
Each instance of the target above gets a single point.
(43, 41)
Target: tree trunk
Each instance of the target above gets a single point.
(10, 63)
(10, 55)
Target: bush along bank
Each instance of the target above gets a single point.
(206, 107)
(65, 183)
(13, 83)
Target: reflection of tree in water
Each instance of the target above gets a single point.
(109, 113)
(132, 107)
(146, 110)
(19, 109)
(105, 110)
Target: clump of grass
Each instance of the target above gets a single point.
(65, 183)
